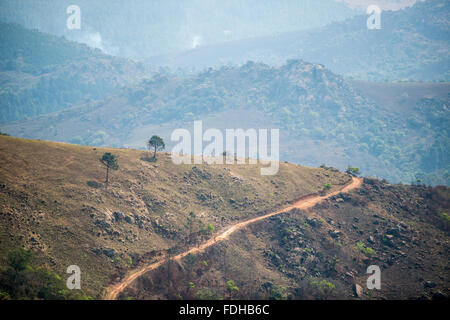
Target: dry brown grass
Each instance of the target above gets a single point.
(44, 195)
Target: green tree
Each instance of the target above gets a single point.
(366, 250)
(110, 162)
(20, 279)
(157, 144)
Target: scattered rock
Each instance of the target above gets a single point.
(357, 290)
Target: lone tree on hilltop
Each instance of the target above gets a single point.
(157, 144)
(110, 162)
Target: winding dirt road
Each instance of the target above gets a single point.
(303, 203)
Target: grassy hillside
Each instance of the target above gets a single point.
(53, 201)
(322, 117)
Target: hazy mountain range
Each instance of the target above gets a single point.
(412, 44)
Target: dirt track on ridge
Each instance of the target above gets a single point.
(303, 203)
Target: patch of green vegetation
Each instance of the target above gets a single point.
(96, 138)
(41, 83)
(366, 250)
(333, 262)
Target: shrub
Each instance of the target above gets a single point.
(19, 258)
(278, 293)
(366, 250)
(21, 280)
(231, 286)
(206, 294)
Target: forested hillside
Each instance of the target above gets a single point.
(57, 206)
(40, 73)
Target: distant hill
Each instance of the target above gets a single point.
(140, 28)
(399, 134)
(40, 73)
(413, 44)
